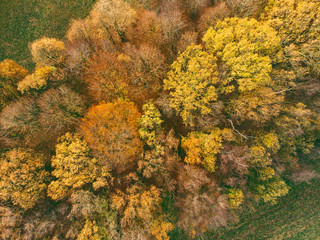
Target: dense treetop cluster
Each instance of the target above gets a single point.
(153, 119)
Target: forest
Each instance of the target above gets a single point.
(160, 119)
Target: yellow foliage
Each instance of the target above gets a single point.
(244, 46)
(266, 173)
(161, 228)
(9, 69)
(37, 80)
(141, 208)
(235, 197)
(202, 148)
(89, 231)
(150, 122)
(271, 142)
(296, 21)
(22, 178)
(10, 74)
(191, 81)
(259, 156)
(271, 189)
(74, 168)
(47, 51)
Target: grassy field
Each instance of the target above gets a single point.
(296, 216)
(22, 22)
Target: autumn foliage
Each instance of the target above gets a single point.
(159, 119)
(111, 129)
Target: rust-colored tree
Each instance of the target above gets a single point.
(111, 129)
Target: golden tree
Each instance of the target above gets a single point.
(140, 210)
(244, 46)
(192, 81)
(10, 74)
(203, 148)
(23, 177)
(38, 80)
(74, 168)
(47, 51)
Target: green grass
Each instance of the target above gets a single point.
(296, 216)
(22, 22)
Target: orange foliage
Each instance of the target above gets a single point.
(111, 129)
(135, 74)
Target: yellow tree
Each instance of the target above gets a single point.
(192, 81)
(271, 189)
(47, 51)
(10, 74)
(111, 129)
(244, 46)
(203, 148)
(160, 160)
(37, 80)
(74, 168)
(23, 177)
(297, 21)
(140, 210)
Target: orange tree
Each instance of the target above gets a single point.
(111, 129)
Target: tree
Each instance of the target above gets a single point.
(106, 76)
(10, 74)
(148, 29)
(186, 40)
(172, 24)
(9, 222)
(111, 129)
(296, 21)
(89, 231)
(140, 210)
(95, 215)
(212, 15)
(245, 8)
(74, 168)
(47, 51)
(297, 130)
(191, 81)
(202, 148)
(235, 197)
(146, 69)
(113, 18)
(23, 177)
(244, 46)
(260, 157)
(200, 203)
(60, 109)
(160, 161)
(258, 106)
(19, 122)
(38, 80)
(233, 165)
(193, 8)
(12, 71)
(150, 124)
(271, 189)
